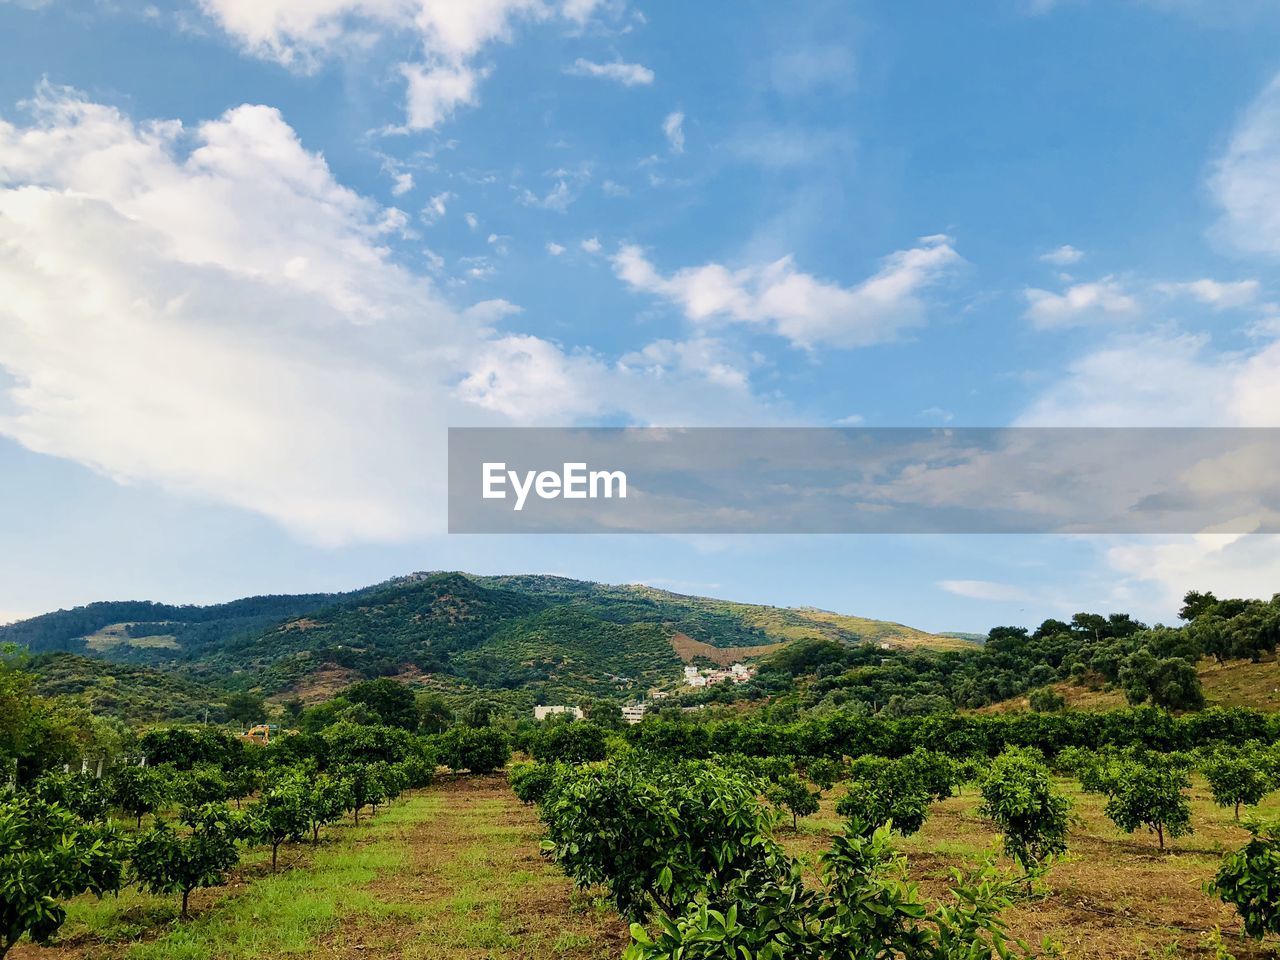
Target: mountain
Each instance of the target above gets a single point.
(543, 636)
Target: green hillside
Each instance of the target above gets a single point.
(545, 636)
(138, 693)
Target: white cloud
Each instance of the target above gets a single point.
(627, 74)
(1080, 303)
(209, 311)
(449, 35)
(1214, 293)
(403, 184)
(434, 92)
(436, 207)
(1246, 180)
(13, 616)
(1063, 256)
(673, 130)
(591, 245)
(984, 590)
(804, 309)
(473, 222)
(1230, 565)
(555, 249)
(853, 420)
(705, 357)
(1158, 380)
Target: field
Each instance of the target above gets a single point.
(454, 872)
(449, 872)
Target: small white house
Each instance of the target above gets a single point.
(541, 712)
(633, 713)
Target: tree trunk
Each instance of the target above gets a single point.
(315, 833)
(1237, 810)
(356, 811)
(275, 850)
(1160, 834)
(186, 896)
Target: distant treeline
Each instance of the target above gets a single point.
(1154, 665)
(957, 735)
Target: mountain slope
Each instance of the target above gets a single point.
(539, 634)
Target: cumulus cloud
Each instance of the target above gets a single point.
(209, 310)
(1102, 300)
(627, 74)
(799, 306)
(449, 36)
(673, 130)
(1246, 179)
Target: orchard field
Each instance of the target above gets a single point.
(391, 823)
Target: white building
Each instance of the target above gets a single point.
(633, 713)
(541, 712)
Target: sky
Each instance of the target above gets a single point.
(256, 256)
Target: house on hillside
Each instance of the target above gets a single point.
(541, 712)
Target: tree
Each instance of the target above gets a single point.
(200, 785)
(868, 804)
(477, 749)
(578, 741)
(327, 798)
(1046, 700)
(281, 815)
(1170, 682)
(434, 713)
(1018, 794)
(393, 703)
(46, 857)
(531, 781)
(1236, 778)
(1151, 797)
(139, 790)
(792, 794)
(245, 708)
(1249, 880)
(604, 713)
(656, 833)
(84, 796)
(165, 861)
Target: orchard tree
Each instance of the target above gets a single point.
(139, 790)
(1018, 794)
(47, 857)
(280, 815)
(1249, 880)
(1236, 778)
(870, 803)
(577, 741)
(478, 749)
(792, 794)
(327, 799)
(165, 861)
(531, 781)
(392, 702)
(83, 795)
(1151, 797)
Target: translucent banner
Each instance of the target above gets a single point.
(873, 480)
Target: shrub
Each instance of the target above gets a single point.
(1018, 795)
(1150, 796)
(46, 857)
(281, 815)
(165, 861)
(1249, 880)
(138, 790)
(655, 833)
(575, 742)
(792, 794)
(531, 781)
(477, 749)
(1236, 778)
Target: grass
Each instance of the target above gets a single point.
(454, 873)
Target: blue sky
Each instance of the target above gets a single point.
(257, 256)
